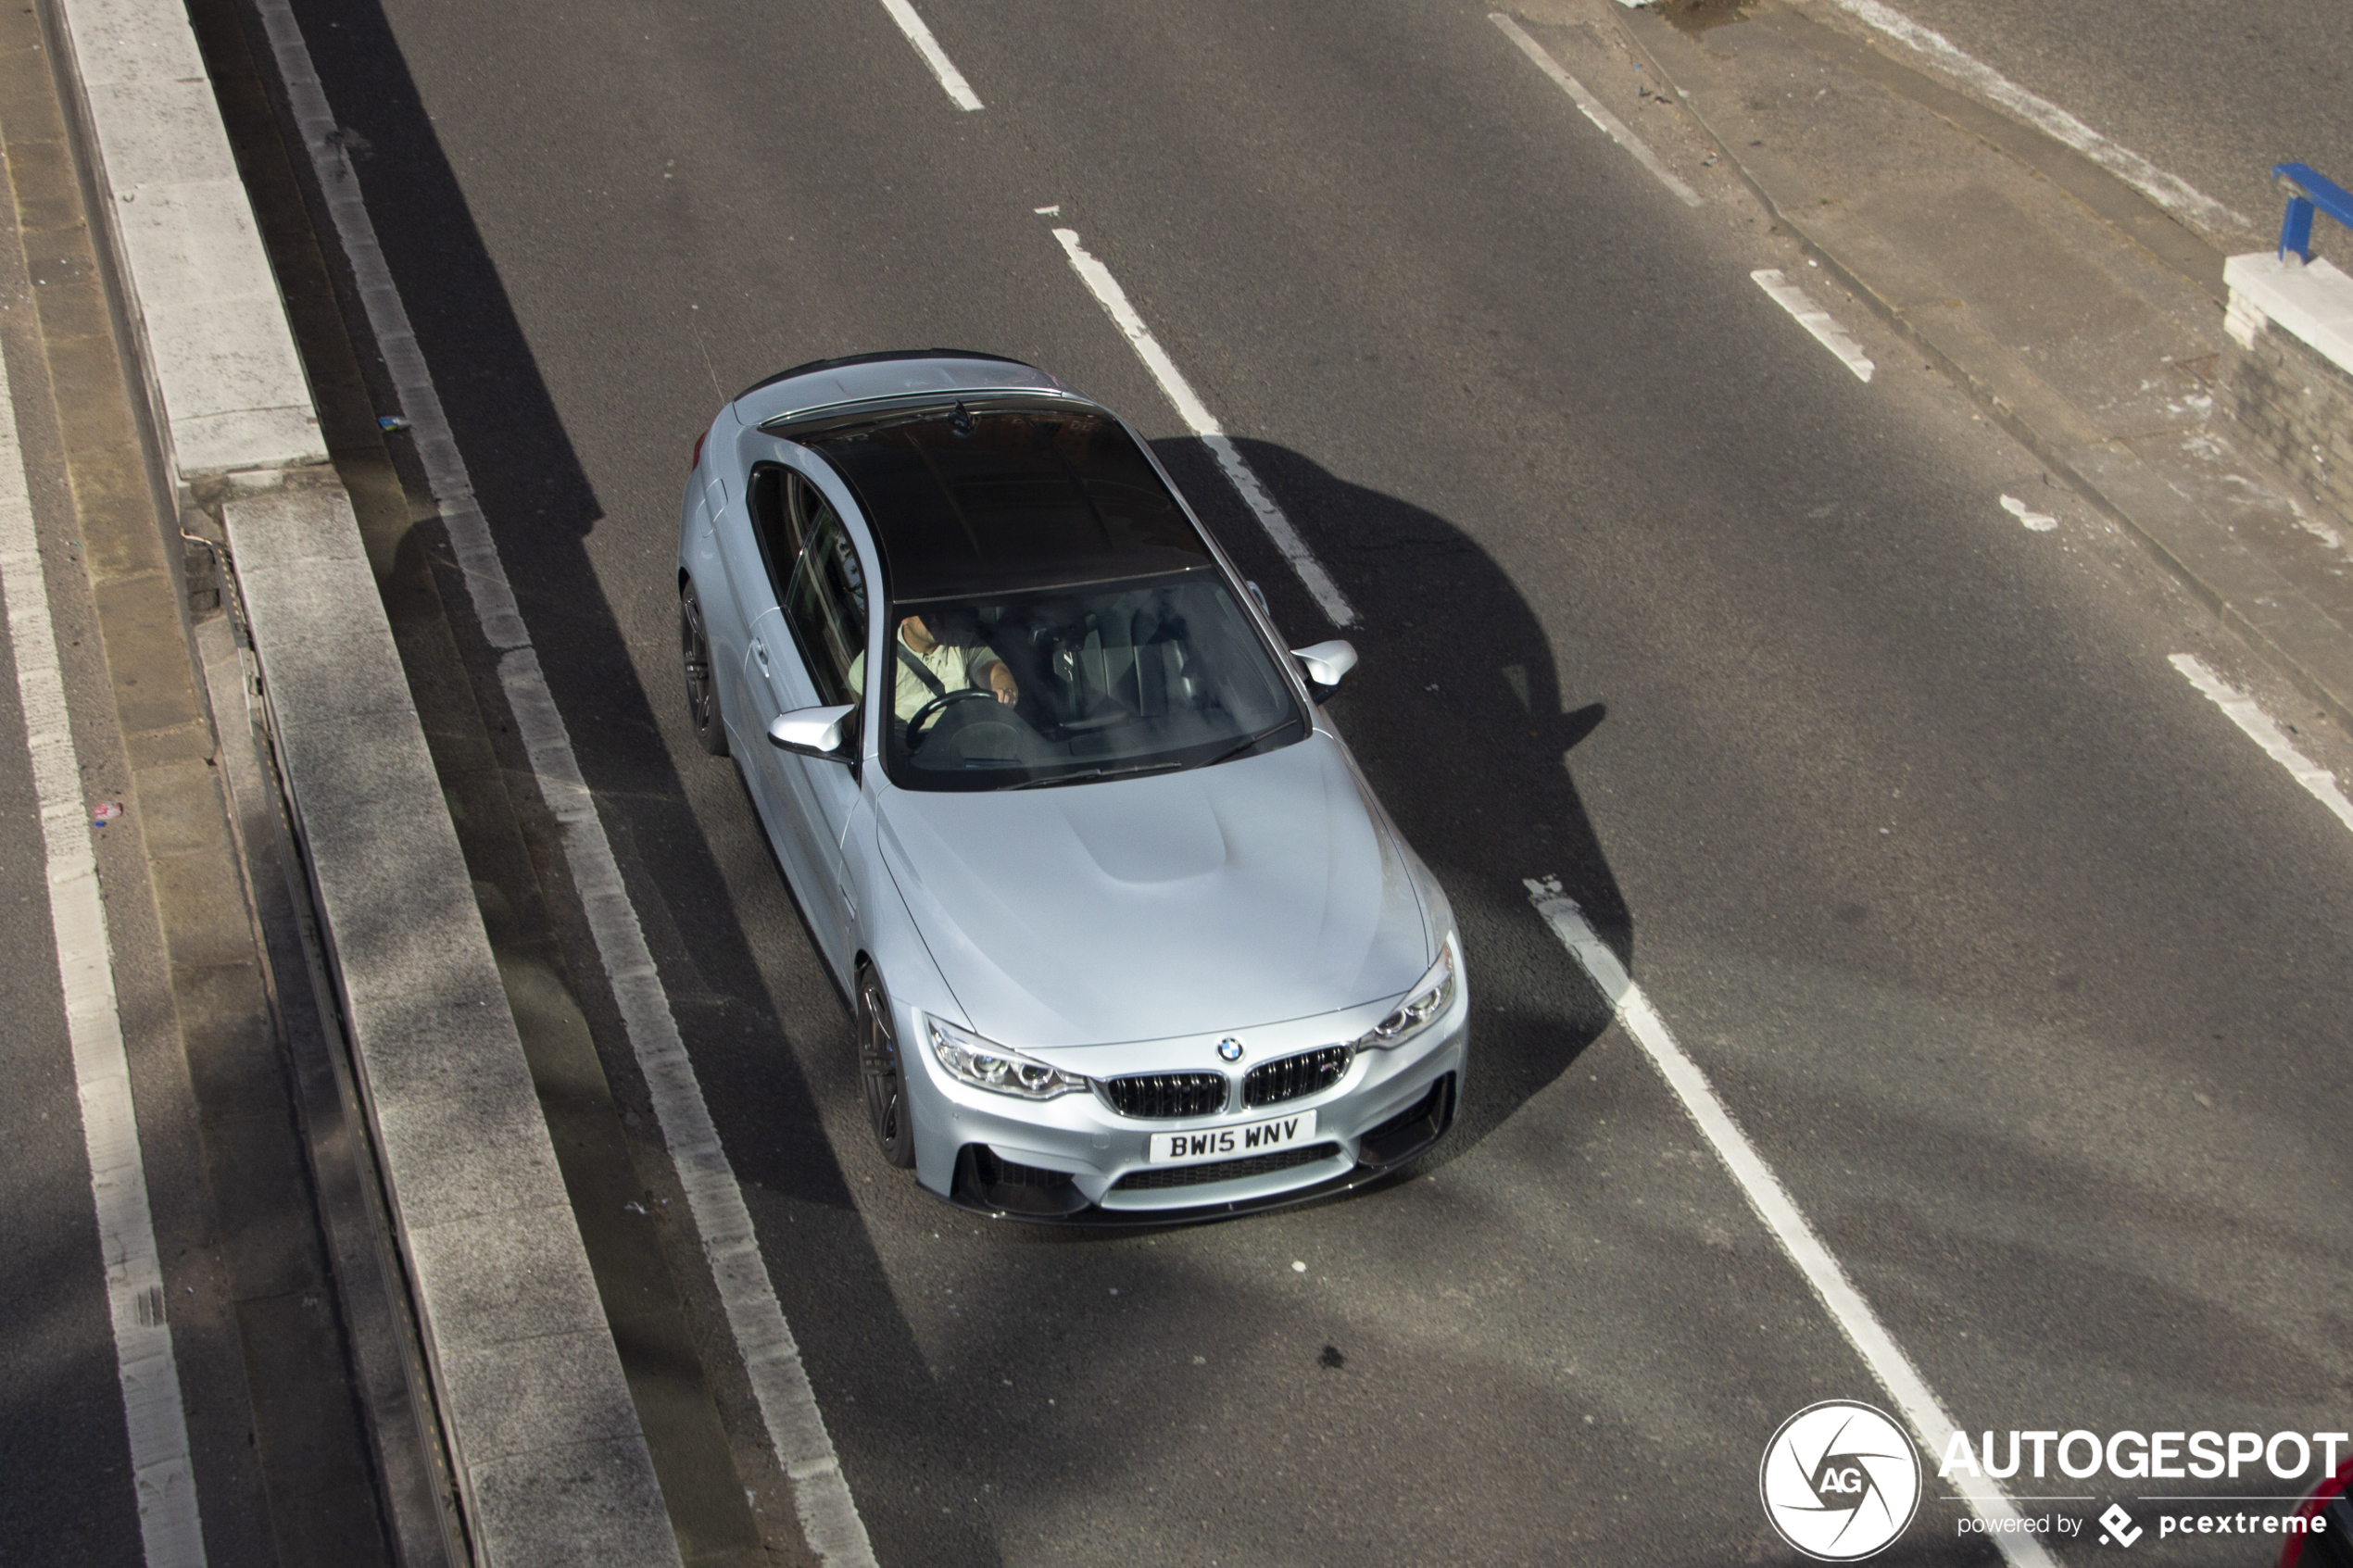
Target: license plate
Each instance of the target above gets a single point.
(1233, 1143)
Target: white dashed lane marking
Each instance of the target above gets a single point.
(934, 55)
(1773, 1204)
(1814, 319)
(1609, 124)
(2263, 730)
(1196, 415)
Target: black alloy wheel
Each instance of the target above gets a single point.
(880, 1071)
(702, 689)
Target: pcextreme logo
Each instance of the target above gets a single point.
(1840, 1481)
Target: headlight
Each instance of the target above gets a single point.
(986, 1065)
(1429, 1001)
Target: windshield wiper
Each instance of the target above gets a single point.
(1269, 733)
(1084, 774)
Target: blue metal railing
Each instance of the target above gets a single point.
(2308, 191)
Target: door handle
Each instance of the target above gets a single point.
(759, 652)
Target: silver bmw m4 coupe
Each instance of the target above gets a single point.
(1127, 936)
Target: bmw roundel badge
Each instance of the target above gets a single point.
(1229, 1049)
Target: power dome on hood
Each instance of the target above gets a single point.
(1223, 897)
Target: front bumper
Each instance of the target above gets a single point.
(1074, 1160)
(1003, 1190)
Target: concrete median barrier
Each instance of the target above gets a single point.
(551, 1465)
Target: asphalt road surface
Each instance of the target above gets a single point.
(2024, 969)
(66, 1460)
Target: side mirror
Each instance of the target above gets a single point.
(1324, 664)
(814, 732)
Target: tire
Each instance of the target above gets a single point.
(881, 1071)
(702, 684)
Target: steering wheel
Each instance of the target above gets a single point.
(915, 726)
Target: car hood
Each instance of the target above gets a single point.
(1249, 893)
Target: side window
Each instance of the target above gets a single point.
(777, 522)
(826, 603)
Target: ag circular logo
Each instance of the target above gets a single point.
(1229, 1049)
(1840, 1481)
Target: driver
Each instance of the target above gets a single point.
(929, 668)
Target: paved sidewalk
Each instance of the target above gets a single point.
(2080, 315)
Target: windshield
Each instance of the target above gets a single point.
(1071, 684)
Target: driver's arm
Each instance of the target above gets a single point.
(984, 670)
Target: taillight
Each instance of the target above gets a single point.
(696, 461)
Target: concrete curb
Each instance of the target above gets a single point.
(2289, 632)
(551, 1462)
(207, 324)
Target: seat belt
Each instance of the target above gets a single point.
(920, 671)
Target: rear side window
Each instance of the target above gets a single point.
(826, 602)
(779, 520)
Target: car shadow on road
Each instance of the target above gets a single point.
(1458, 717)
(1456, 713)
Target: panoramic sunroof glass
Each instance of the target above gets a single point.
(987, 497)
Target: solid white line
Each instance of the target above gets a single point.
(162, 1477)
(1611, 126)
(771, 1358)
(2260, 729)
(1106, 290)
(1814, 319)
(1781, 1216)
(934, 55)
(2168, 190)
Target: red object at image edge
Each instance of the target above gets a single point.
(2293, 1553)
